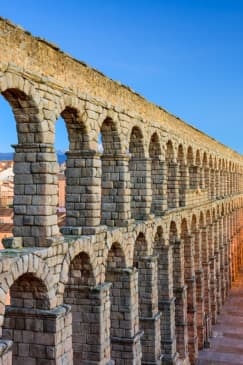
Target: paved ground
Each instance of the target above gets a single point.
(226, 344)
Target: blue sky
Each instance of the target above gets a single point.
(186, 56)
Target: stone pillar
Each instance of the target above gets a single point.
(83, 192)
(167, 307)
(183, 184)
(234, 183)
(233, 261)
(180, 293)
(141, 192)
(206, 293)
(158, 181)
(149, 317)
(199, 289)
(207, 181)
(224, 187)
(217, 183)
(115, 198)
(172, 185)
(6, 352)
(213, 284)
(220, 266)
(40, 336)
(191, 298)
(212, 184)
(223, 184)
(228, 264)
(229, 182)
(125, 333)
(91, 323)
(217, 265)
(201, 178)
(35, 194)
(223, 262)
(194, 176)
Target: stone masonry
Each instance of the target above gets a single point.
(154, 223)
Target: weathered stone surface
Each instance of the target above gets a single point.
(153, 234)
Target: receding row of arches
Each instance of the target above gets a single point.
(132, 179)
(163, 297)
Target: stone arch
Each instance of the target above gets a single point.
(74, 251)
(144, 266)
(193, 227)
(113, 166)
(147, 292)
(192, 169)
(78, 137)
(200, 171)
(81, 270)
(210, 161)
(205, 159)
(222, 209)
(154, 146)
(157, 175)
(29, 291)
(201, 219)
(223, 178)
(26, 112)
(189, 271)
(190, 156)
(116, 257)
(206, 172)
(184, 228)
(116, 237)
(183, 178)
(198, 158)
(157, 250)
(79, 295)
(217, 177)
(123, 300)
(76, 128)
(172, 189)
(136, 143)
(158, 238)
(110, 138)
(29, 306)
(208, 217)
(179, 286)
(23, 100)
(212, 184)
(140, 248)
(29, 265)
(173, 233)
(169, 152)
(139, 175)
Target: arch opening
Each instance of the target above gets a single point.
(79, 295)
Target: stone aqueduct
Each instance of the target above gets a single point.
(153, 232)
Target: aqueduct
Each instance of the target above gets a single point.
(153, 232)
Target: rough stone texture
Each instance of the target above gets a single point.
(153, 233)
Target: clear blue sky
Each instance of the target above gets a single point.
(186, 56)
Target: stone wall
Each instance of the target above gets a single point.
(153, 233)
